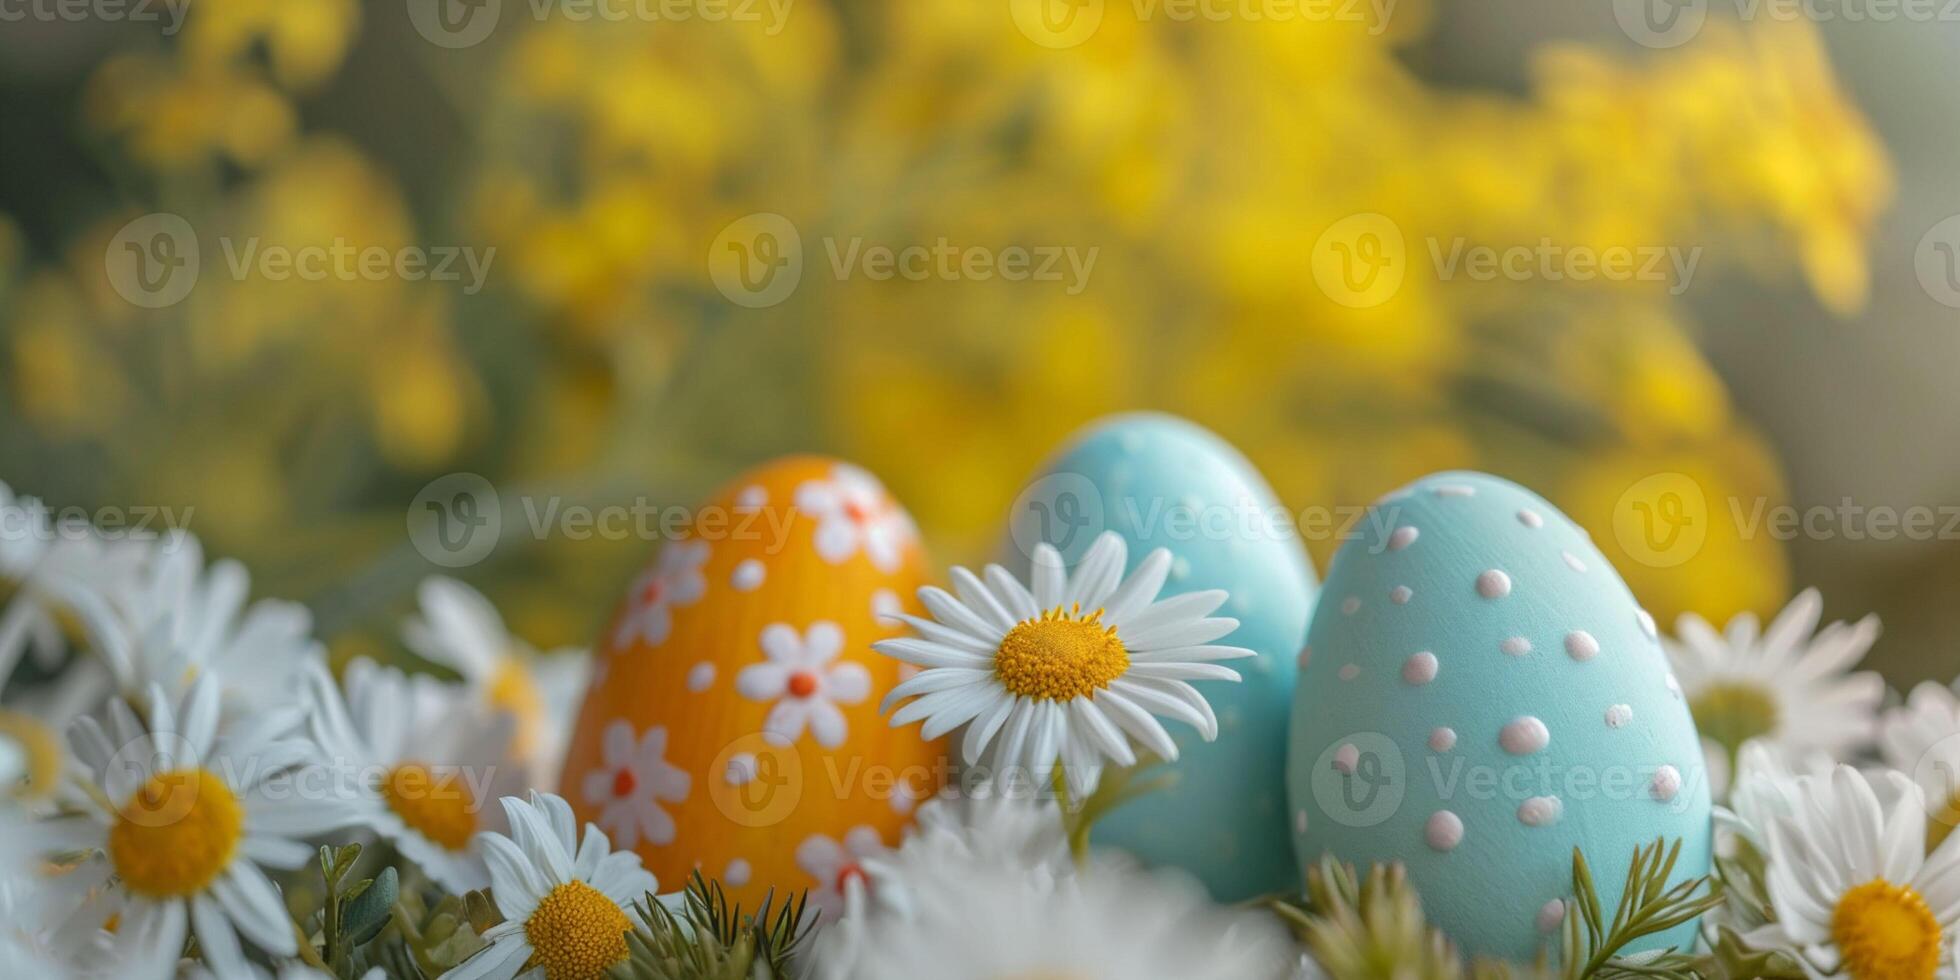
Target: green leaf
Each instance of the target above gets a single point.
(367, 913)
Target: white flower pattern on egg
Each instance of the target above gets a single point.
(853, 514)
(674, 581)
(838, 867)
(799, 674)
(634, 781)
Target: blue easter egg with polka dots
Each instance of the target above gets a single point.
(1163, 482)
(1479, 694)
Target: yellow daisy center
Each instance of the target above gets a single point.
(176, 834)
(1886, 932)
(513, 691)
(1733, 712)
(577, 933)
(42, 750)
(438, 806)
(1060, 655)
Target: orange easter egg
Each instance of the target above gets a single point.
(732, 721)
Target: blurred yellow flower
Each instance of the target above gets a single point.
(1209, 192)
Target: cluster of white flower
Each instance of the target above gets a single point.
(174, 746)
(1834, 829)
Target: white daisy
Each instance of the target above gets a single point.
(675, 580)
(35, 763)
(461, 630)
(634, 779)
(181, 620)
(1065, 670)
(417, 765)
(44, 566)
(854, 513)
(185, 811)
(1764, 789)
(1855, 893)
(1922, 738)
(1111, 922)
(287, 971)
(566, 903)
(799, 676)
(838, 868)
(1781, 683)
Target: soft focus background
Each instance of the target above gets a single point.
(1805, 161)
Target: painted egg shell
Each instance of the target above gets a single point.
(732, 722)
(1482, 694)
(1163, 482)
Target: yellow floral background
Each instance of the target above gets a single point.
(600, 363)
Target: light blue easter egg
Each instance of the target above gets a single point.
(1481, 694)
(1163, 482)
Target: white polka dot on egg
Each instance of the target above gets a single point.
(1444, 830)
(1455, 490)
(748, 576)
(1348, 672)
(1442, 739)
(1420, 668)
(1300, 821)
(1400, 595)
(738, 873)
(1516, 646)
(1529, 518)
(1350, 605)
(752, 496)
(1551, 915)
(1572, 561)
(1619, 715)
(1493, 584)
(1581, 645)
(1346, 758)
(1541, 811)
(1647, 624)
(1666, 783)
(1402, 538)
(700, 676)
(1306, 654)
(1523, 736)
(885, 607)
